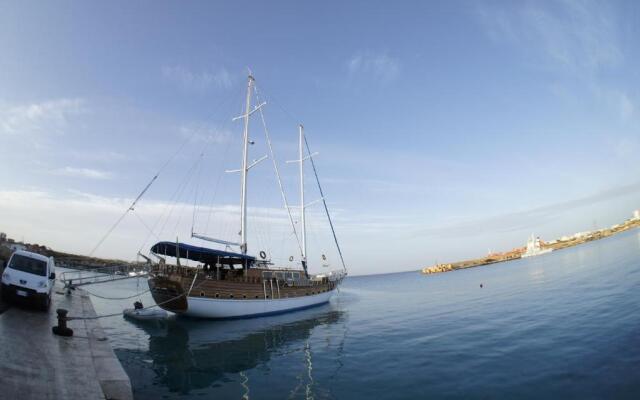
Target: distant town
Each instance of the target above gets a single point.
(537, 246)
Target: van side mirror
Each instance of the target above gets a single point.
(52, 276)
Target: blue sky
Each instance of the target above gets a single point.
(444, 128)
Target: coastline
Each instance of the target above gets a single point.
(558, 244)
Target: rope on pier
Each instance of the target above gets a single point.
(144, 308)
(117, 298)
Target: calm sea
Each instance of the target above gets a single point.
(562, 325)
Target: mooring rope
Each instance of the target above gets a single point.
(144, 308)
(116, 298)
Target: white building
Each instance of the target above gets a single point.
(636, 214)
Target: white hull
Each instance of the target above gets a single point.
(202, 307)
(536, 253)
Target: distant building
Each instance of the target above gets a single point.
(3, 237)
(636, 214)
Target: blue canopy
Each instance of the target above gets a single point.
(201, 254)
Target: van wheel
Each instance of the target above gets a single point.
(45, 303)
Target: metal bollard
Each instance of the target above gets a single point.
(62, 328)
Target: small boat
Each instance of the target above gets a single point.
(143, 314)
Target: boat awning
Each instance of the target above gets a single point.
(200, 254)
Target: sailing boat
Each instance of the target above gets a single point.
(237, 284)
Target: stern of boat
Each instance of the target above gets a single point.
(168, 294)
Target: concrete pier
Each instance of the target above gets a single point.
(36, 364)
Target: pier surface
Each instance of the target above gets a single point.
(36, 364)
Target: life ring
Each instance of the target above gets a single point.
(263, 255)
(291, 258)
(324, 257)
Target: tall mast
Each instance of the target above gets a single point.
(302, 205)
(245, 169)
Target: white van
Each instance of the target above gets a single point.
(29, 276)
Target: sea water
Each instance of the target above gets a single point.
(561, 325)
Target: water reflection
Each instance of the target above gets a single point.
(187, 355)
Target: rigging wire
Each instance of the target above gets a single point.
(183, 185)
(146, 226)
(220, 175)
(275, 166)
(131, 208)
(315, 172)
(195, 197)
(155, 177)
(324, 202)
(133, 204)
(183, 294)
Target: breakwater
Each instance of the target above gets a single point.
(557, 244)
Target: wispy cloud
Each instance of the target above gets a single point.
(95, 155)
(575, 36)
(88, 173)
(376, 65)
(575, 40)
(57, 222)
(204, 133)
(189, 80)
(514, 221)
(48, 117)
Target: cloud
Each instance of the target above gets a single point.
(95, 155)
(514, 221)
(48, 117)
(204, 133)
(82, 173)
(197, 81)
(574, 36)
(575, 40)
(377, 65)
(76, 221)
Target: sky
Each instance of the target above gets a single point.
(444, 129)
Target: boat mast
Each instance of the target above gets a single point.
(302, 205)
(245, 169)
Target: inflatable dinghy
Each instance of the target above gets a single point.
(144, 314)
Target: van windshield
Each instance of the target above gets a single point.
(28, 264)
